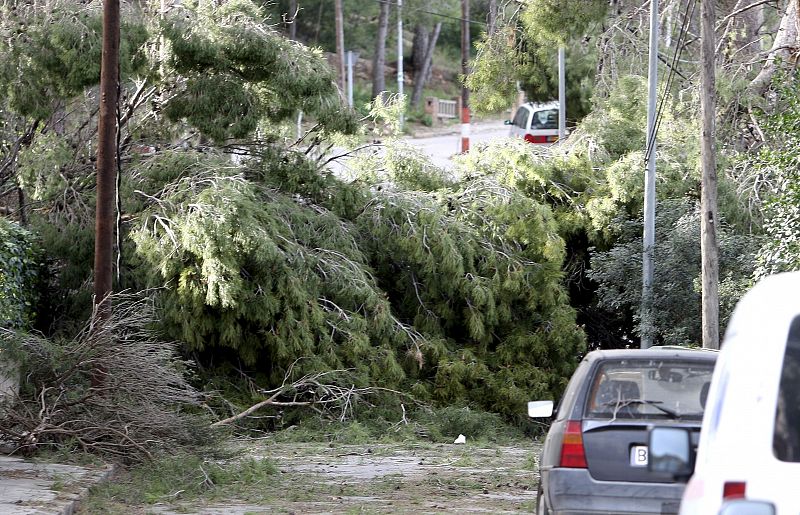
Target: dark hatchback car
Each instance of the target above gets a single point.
(595, 456)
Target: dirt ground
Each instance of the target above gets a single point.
(387, 478)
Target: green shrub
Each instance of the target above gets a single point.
(20, 271)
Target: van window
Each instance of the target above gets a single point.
(786, 439)
(521, 118)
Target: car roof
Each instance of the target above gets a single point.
(653, 353)
(538, 106)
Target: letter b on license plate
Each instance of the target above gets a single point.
(639, 456)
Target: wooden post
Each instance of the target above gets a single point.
(708, 205)
(106, 156)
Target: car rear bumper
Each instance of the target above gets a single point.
(574, 491)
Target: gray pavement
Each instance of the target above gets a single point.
(28, 487)
(442, 146)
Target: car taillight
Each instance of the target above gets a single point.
(530, 138)
(733, 490)
(572, 454)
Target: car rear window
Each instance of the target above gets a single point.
(547, 119)
(786, 437)
(650, 389)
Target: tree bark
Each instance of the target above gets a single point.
(492, 18)
(379, 60)
(784, 49)
(291, 19)
(708, 205)
(340, 43)
(422, 75)
(106, 157)
(419, 47)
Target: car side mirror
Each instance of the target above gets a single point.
(670, 452)
(540, 409)
(742, 507)
(506, 122)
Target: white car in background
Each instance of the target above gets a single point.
(536, 123)
(748, 456)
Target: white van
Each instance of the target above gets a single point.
(748, 456)
(536, 123)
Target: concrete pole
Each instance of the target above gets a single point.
(465, 46)
(400, 79)
(562, 96)
(708, 197)
(647, 328)
(350, 78)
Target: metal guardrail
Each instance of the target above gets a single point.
(447, 109)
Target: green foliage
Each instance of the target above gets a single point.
(524, 52)
(618, 271)
(453, 290)
(502, 65)
(20, 276)
(51, 55)
(238, 70)
(40, 174)
(777, 163)
(255, 270)
(558, 21)
(494, 72)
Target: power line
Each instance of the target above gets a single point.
(679, 46)
(433, 13)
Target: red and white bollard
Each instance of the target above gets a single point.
(464, 130)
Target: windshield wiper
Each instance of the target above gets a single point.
(656, 404)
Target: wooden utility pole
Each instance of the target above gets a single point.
(340, 42)
(106, 156)
(465, 46)
(708, 203)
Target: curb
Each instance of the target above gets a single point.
(72, 506)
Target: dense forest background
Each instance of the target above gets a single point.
(267, 257)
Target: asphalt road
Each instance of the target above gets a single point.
(440, 148)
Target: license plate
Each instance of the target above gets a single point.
(639, 456)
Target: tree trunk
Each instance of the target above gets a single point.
(491, 20)
(340, 43)
(784, 48)
(291, 19)
(419, 47)
(421, 77)
(379, 60)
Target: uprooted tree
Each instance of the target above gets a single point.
(257, 253)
